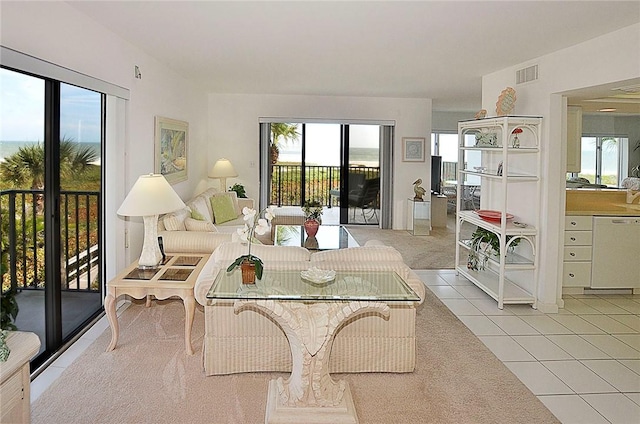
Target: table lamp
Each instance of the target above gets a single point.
(149, 197)
(223, 169)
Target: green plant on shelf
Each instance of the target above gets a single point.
(484, 244)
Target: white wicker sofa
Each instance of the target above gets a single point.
(181, 232)
(250, 341)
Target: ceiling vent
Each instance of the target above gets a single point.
(631, 89)
(527, 74)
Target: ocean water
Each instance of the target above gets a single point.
(358, 156)
(8, 148)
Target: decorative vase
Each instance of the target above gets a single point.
(4, 348)
(248, 272)
(311, 227)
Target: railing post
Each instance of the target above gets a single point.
(13, 252)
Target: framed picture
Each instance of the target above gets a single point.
(172, 141)
(413, 149)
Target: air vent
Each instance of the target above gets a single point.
(631, 89)
(527, 74)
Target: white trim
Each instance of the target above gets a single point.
(268, 120)
(23, 62)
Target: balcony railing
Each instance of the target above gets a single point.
(22, 227)
(318, 181)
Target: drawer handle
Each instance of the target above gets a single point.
(571, 274)
(573, 239)
(572, 254)
(574, 223)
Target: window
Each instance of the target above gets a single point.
(604, 159)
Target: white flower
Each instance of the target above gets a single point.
(244, 232)
(249, 214)
(269, 213)
(262, 227)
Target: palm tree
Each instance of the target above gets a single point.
(281, 133)
(26, 166)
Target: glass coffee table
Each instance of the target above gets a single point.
(329, 237)
(311, 314)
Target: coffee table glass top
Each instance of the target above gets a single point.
(328, 237)
(386, 286)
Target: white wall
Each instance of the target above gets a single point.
(609, 58)
(57, 33)
(234, 134)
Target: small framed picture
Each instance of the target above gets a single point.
(171, 143)
(413, 149)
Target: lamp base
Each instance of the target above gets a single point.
(151, 255)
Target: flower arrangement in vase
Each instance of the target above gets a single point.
(312, 212)
(251, 265)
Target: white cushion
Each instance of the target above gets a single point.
(195, 225)
(174, 221)
(201, 205)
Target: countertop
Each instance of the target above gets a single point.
(600, 202)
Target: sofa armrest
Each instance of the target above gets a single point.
(245, 202)
(193, 241)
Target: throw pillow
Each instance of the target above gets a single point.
(197, 216)
(223, 210)
(175, 220)
(200, 205)
(199, 225)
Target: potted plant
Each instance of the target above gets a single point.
(239, 189)
(251, 265)
(485, 243)
(312, 213)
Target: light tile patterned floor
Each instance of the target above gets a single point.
(583, 363)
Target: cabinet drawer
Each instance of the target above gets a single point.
(577, 238)
(580, 223)
(577, 253)
(576, 274)
(12, 395)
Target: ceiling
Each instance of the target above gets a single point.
(419, 49)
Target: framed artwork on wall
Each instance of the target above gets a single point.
(171, 144)
(413, 149)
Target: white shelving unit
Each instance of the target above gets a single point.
(509, 183)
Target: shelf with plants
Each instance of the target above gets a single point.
(499, 154)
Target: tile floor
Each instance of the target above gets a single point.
(582, 363)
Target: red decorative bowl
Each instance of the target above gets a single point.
(491, 216)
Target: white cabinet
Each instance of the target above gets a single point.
(15, 377)
(577, 251)
(615, 252)
(574, 138)
(506, 173)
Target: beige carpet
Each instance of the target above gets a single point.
(149, 379)
(435, 251)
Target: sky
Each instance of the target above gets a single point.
(22, 110)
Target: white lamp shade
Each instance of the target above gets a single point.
(150, 195)
(223, 168)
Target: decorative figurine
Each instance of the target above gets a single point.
(481, 114)
(419, 191)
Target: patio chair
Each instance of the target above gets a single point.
(366, 198)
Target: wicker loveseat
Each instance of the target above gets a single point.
(250, 341)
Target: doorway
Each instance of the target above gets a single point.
(340, 165)
(51, 138)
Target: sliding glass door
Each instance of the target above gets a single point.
(338, 165)
(50, 204)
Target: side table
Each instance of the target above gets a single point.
(15, 378)
(175, 277)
